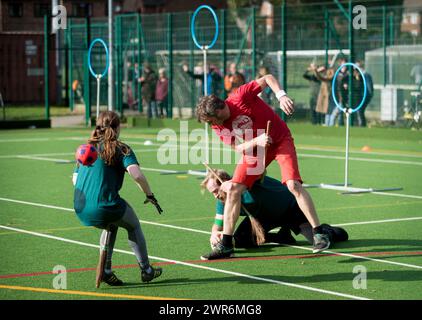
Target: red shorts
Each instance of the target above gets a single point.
(250, 168)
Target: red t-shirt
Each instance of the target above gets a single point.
(248, 114)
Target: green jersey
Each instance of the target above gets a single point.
(269, 201)
(96, 198)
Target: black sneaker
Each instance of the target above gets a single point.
(111, 279)
(335, 234)
(321, 242)
(219, 252)
(148, 276)
(283, 236)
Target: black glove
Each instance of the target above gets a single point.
(154, 201)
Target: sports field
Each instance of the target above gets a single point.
(39, 230)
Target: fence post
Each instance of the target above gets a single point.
(351, 54)
(191, 67)
(46, 69)
(391, 20)
(284, 50)
(70, 66)
(87, 77)
(224, 48)
(170, 49)
(138, 71)
(253, 9)
(326, 34)
(384, 44)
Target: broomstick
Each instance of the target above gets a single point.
(102, 260)
(257, 230)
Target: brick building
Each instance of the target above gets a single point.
(22, 41)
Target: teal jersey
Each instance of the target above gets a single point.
(269, 200)
(96, 197)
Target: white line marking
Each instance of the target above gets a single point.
(369, 153)
(205, 232)
(359, 159)
(413, 266)
(398, 195)
(45, 159)
(176, 171)
(72, 210)
(377, 221)
(237, 274)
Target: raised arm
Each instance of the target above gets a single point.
(286, 104)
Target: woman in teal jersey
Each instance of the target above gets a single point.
(96, 197)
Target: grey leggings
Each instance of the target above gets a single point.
(136, 238)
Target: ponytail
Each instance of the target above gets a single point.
(105, 138)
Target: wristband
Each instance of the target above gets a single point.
(280, 94)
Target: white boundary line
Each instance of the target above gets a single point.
(205, 232)
(377, 221)
(305, 155)
(176, 171)
(237, 274)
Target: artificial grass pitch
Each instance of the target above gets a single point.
(36, 195)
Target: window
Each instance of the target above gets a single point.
(82, 9)
(41, 9)
(15, 9)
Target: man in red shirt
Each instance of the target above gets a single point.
(240, 121)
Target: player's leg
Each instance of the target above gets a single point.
(136, 240)
(240, 182)
(109, 277)
(243, 235)
(287, 160)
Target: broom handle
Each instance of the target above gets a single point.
(267, 132)
(221, 181)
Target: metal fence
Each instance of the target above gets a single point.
(285, 43)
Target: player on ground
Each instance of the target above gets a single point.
(271, 203)
(97, 201)
(243, 116)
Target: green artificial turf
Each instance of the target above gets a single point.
(270, 272)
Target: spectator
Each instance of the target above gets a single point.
(214, 79)
(234, 79)
(325, 103)
(161, 92)
(315, 84)
(148, 82)
(369, 94)
(342, 94)
(416, 73)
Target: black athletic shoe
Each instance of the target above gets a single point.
(149, 276)
(335, 234)
(321, 242)
(283, 236)
(111, 279)
(219, 252)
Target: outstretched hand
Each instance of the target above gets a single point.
(286, 104)
(151, 198)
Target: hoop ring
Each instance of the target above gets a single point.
(333, 87)
(107, 58)
(192, 27)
